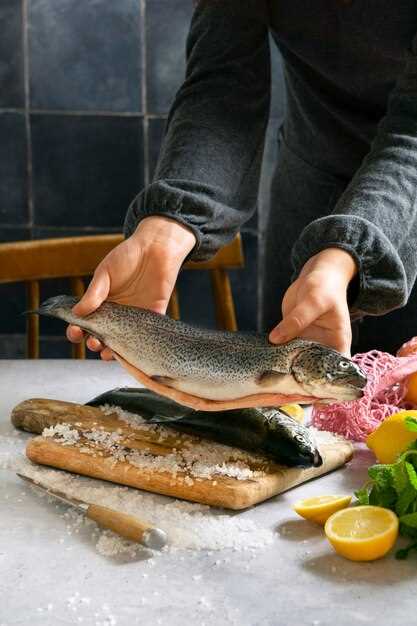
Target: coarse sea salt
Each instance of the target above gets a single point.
(195, 459)
(189, 526)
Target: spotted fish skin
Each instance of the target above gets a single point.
(214, 364)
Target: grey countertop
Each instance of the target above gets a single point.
(298, 579)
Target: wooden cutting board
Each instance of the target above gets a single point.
(143, 456)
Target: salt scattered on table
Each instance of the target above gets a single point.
(188, 525)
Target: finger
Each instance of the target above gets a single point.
(75, 334)
(106, 354)
(94, 344)
(345, 340)
(96, 293)
(297, 320)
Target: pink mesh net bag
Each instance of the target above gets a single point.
(384, 394)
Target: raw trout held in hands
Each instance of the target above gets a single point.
(214, 370)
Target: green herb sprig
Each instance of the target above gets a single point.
(394, 486)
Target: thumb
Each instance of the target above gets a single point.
(294, 323)
(96, 293)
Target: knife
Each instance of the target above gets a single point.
(123, 524)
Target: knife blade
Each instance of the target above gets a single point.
(123, 524)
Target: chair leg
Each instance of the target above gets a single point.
(77, 289)
(174, 305)
(223, 299)
(32, 321)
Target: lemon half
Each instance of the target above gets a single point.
(362, 533)
(391, 437)
(319, 508)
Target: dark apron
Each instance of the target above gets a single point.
(301, 193)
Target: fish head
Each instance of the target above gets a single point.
(290, 441)
(325, 373)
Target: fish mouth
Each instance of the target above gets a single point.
(317, 459)
(359, 381)
(313, 459)
(358, 387)
(350, 394)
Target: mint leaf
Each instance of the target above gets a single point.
(413, 445)
(412, 474)
(409, 520)
(399, 476)
(384, 497)
(381, 474)
(411, 423)
(362, 495)
(405, 499)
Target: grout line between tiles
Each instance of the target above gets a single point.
(26, 72)
(80, 113)
(150, 116)
(12, 110)
(101, 229)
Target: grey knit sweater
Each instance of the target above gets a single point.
(351, 77)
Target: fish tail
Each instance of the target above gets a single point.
(58, 306)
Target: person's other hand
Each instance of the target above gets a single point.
(315, 305)
(141, 271)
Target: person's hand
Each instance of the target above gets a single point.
(315, 305)
(141, 271)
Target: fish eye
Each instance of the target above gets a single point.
(299, 438)
(344, 365)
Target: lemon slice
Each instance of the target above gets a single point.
(320, 508)
(294, 410)
(362, 533)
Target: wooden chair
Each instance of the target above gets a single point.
(77, 257)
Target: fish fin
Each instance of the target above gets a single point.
(163, 380)
(164, 419)
(269, 378)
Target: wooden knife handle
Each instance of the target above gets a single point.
(121, 523)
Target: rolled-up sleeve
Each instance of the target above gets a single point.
(208, 172)
(375, 219)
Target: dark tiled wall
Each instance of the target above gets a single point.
(85, 88)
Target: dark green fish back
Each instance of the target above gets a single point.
(267, 432)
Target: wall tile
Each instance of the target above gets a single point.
(196, 298)
(39, 232)
(14, 233)
(12, 346)
(86, 169)
(13, 169)
(13, 305)
(244, 284)
(167, 25)
(85, 55)
(59, 348)
(11, 55)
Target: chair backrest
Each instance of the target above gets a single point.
(77, 257)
